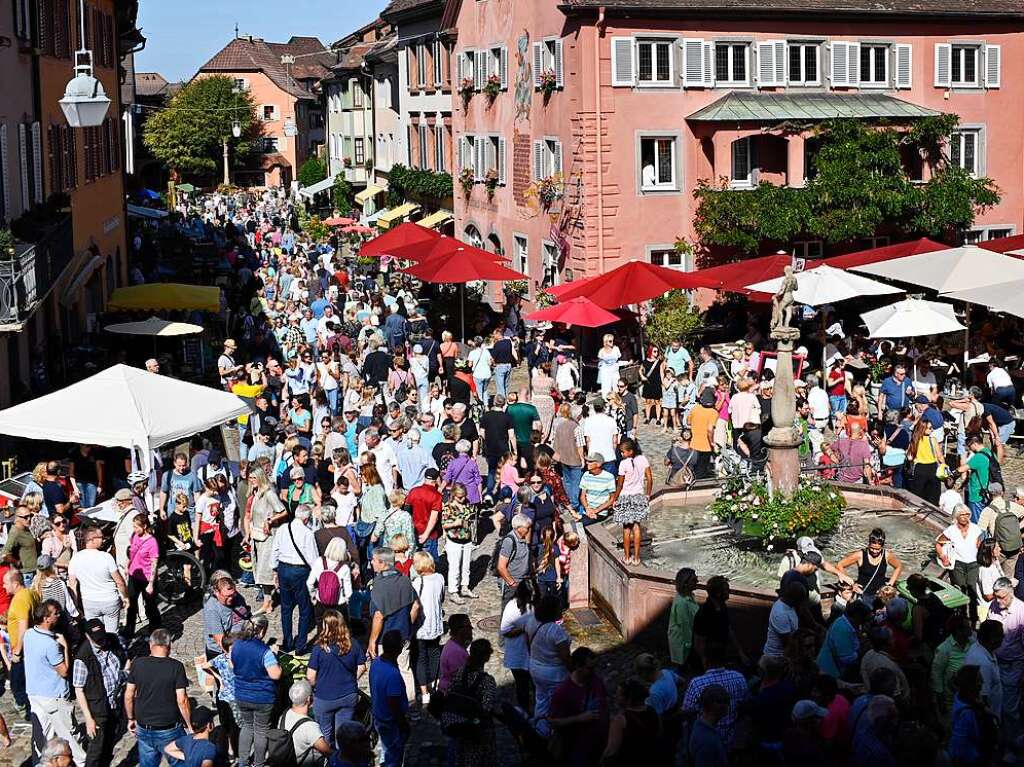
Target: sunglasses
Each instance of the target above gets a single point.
(59, 523)
(24, 516)
(536, 482)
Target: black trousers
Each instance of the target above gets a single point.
(99, 751)
(136, 588)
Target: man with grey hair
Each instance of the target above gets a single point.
(56, 753)
(413, 460)
(466, 426)
(153, 365)
(514, 557)
(394, 606)
(156, 699)
(307, 739)
(291, 556)
(1002, 524)
(817, 398)
(1009, 611)
(386, 460)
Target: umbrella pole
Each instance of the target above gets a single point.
(967, 342)
(462, 309)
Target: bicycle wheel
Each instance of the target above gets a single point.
(181, 577)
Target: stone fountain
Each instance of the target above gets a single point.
(784, 437)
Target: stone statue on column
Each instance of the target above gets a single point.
(784, 437)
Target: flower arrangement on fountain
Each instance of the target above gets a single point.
(548, 82)
(466, 88)
(492, 87)
(815, 508)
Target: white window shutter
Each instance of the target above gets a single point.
(538, 63)
(490, 156)
(539, 171)
(37, 162)
(709, 64)
(993, 64)
(559, 68)
(839, 65)
(943, 54)
(480, 158)
(693, 63)
(622, 62)
(904, 65)
(502, 160)
(4, 177)
(556, 159)
(463, 153)
(480, 70)
(26, 197)
(853, 64)
(766, 64)
(781, 61)
(503, 67)
(459, 68)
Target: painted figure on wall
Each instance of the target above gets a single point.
(524, 78)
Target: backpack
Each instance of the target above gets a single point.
(493, 565)
(328, 586)
(995, 474)
(281, 748)
(1007, 531)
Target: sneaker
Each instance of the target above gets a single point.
(424, 700)
(455, 599)
(468, 594)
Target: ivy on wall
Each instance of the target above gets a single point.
(403, 181)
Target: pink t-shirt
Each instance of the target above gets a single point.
(453, 657)
(632, 470)
(143, 552)
(510, 477)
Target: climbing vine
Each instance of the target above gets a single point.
(858, 184)
(425, 183)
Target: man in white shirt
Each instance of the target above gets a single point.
(387, 461)
(982, 654)
(307, 739)
(707, 372)
(601, 434)
(226, 366)
(924, 378)
(783, 620)
(1000, 384)
(291, 556)
(817, 398)
(94, 577)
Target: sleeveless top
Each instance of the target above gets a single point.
(871, 577)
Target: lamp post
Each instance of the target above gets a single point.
(85, 103)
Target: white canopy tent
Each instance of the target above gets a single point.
(913, 317)
(1005, 297)
(825, 285)
(126, 407)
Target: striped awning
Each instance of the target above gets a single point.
(436, 219)
(371, 191)
(391, 217)
(319, 186)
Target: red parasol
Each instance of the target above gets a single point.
(451, 261)
(557, 290)
(448, 246)
(357, 229)
(339, 221)
(580, 311)
(630, 283)
(406, 240)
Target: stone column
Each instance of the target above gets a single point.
(784, 437)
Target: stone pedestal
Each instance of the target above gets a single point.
(784, 439)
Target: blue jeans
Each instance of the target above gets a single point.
(152, 742)
(292, 584)
(88, 491)
(1004, 394)
(392, 743)
(431, 548)
(571, 476)
(332, 399)
(18, 683)
(502, 375)
(492, 474)
(331, 713)
(481, 390)
(838, 403)
(1005, 432)
(976, 508)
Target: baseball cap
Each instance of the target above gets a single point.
(805, 545)
(431, 474)
(920, 399)
(813, 557)
(124, 494)
(808, 709)
(44, 562)
(595, 458)
(94, 627)
(201, 717)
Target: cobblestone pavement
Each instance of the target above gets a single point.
(427, 747)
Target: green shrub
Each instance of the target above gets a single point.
(815, 508)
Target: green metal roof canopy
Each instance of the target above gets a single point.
(772, 107)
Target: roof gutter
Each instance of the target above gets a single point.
(599, 30)
(869, 15)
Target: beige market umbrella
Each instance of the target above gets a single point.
(826, 285)
(910, 318)
(155, 327)
(1006, 297)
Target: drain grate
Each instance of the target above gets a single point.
(586, 617)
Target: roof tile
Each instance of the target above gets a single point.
(251, 54)
(1012, 8)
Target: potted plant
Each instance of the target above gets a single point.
(467, 179)
(549, 191)
(491, 182)
(548, 83)
(347, 162)
(466, 88)
(493, 87)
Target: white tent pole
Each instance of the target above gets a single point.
(967, 341)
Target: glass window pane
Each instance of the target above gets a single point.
(721, 62)
(795, 75)
(954, 149)
(741, 160)
(664, 66)
(739, 63)
(880, 61)
(810, 63)
(970, 139)
(970, 65)
(646, 66)
(956, 70)
(658, 257)
(665, 161)
(865, 63)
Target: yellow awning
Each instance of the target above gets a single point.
(436, 219)
(369, 193)
(166, 295)
(389, 218)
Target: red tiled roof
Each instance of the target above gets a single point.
(403, 6)
(274, 159)
(1006, 8)
(150, 84)
(251, 54)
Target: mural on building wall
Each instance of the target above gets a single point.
(524, 78)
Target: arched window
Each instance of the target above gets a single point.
(473, 236)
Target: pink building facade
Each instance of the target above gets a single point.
(647, 97)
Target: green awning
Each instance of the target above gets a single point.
(775, 107)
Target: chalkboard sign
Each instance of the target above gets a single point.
(192, 352)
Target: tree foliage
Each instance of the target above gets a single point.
(403, 181)
(342, 195)
(312, 171)
(188, 135)
(672, 318)
(859, 185)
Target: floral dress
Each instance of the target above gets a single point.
(479, 748)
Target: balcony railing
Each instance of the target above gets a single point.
(27, 276)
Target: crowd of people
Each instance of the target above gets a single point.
(378, 456)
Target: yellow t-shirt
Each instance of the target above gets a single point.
(925, 451)
(701, 420)
(20, 611)
(247, 390)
